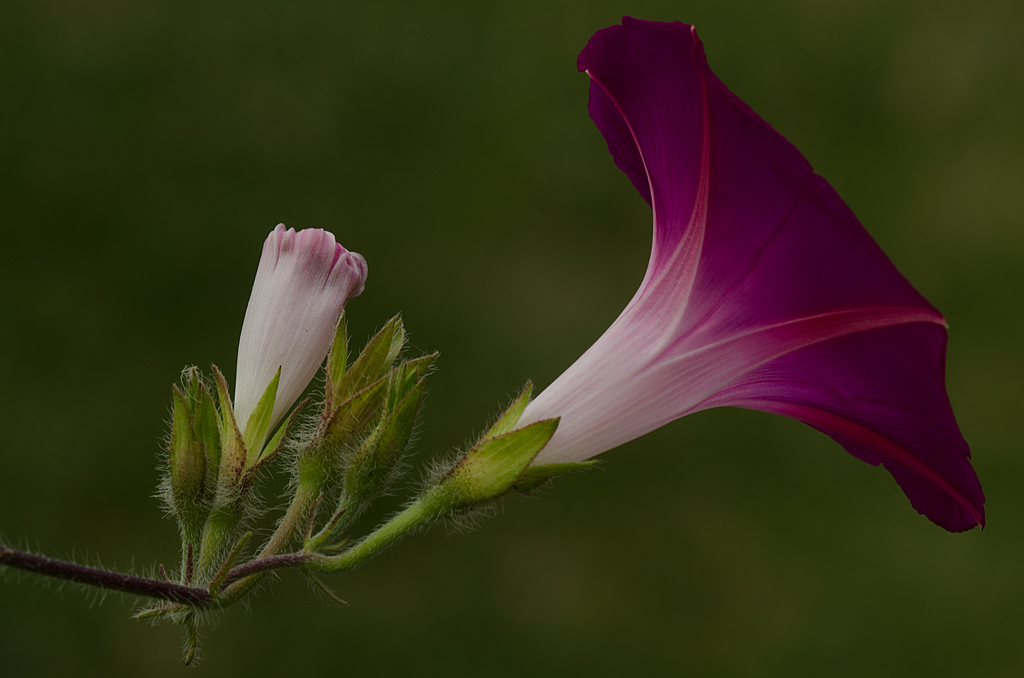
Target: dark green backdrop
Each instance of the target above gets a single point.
(146, 149)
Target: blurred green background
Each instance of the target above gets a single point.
(146, 149)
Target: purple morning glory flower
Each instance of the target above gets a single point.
(763, 290)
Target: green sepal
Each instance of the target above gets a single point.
(353, 416)
(372, 364)
(418, 368)
(493, 466)
(535, 476)
(339, 432)
(192, 379)
(374, 465)
(259, 420)
(337, 358)
(371, 468)
(508, 420)
(207, 432)
(404, 380)
(273, 446)
(232, 445)
(187, 461)
(397, 430)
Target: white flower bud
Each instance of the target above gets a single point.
(301, 286)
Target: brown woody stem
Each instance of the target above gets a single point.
(104, 579)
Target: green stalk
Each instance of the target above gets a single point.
(423, 511)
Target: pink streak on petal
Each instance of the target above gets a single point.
(677, 383)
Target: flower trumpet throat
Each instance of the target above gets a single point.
(763, 291)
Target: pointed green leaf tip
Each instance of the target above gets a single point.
(406, 377)
(273, 445)
(399, 425)
(370, 469)
(492, 468)
(372, 364)
(259, 421)
(232, 446)
(337, 359)
(507, 421)
(353, 416)
(207, 433)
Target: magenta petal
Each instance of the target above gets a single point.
(880, 394)
(763, 290)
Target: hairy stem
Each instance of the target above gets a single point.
(104, 579)
(349, 508)
(420, 513)
(294, 520)
(264, 564)
(243, 578)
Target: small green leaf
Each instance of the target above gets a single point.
(373, 363)
(273, 446)
(327, 533)
(153, 612)
(417, 369)
(535, 476)
(207, 433)
(191, 638)
(259, 421)
(192, 380)
(232, 445)
(353, 416)
(372, 467)
(337, 359)
(408, 378)
(507, 421)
